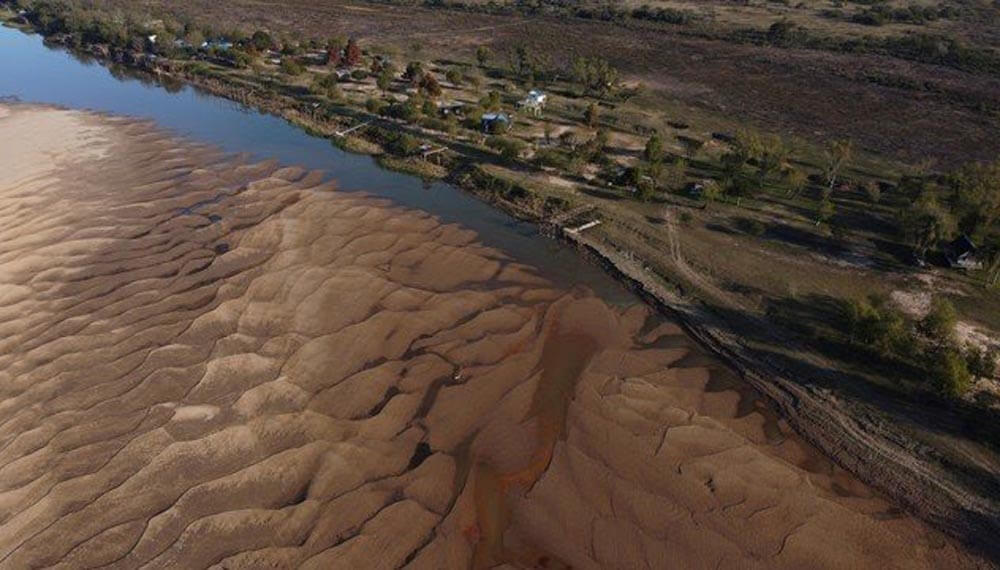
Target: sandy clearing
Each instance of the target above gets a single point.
(289, 376)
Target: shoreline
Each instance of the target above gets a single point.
(860, 444)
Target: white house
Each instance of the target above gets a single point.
(534, 102)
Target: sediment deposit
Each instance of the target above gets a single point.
(206, 362)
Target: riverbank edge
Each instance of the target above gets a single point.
(863, 445)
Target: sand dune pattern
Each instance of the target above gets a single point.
(207, 362)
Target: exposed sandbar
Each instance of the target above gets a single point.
(206, 362)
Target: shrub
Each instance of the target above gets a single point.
(429, 85)
(553, 158)
(950, 373)
(874, 324)
(261, 41)
(939, 324)
(359, 75)
(981, 363)
(872, 191)
(291, 67)
(375, 105)
(404, 144)
(453, 76)
(408, 110)
(509, 148)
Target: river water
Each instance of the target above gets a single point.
(36, 73)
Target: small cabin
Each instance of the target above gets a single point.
(495, 122)
(961, 254)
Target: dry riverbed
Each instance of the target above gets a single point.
(211, 363)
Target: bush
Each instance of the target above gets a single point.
(874, 324)
(404, 144)
(981, 363)
(375, 105)
(453, 76)
(261, 40)
(359, 75)
(291, 67)
(510, 149)
(408, 110)
(872, 191)
(553, 158)
(950, 373)
(939, 324)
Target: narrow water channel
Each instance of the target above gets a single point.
(36, 73)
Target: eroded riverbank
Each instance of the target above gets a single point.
(213, 361)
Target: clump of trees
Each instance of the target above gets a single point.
(936, 208)
(529, 65)
(928, 344)
(595, 75)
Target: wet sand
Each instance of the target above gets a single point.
(211, 363)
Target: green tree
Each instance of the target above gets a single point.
(291, 67)
(674, 174)
(492, 101)
(981, 362)
(384, 79)
(976, 191)
(326, 85)
(834, 158)
(591, 115)
(990, 256)
(925, 223)
(194, 38)
(795, 181)
(654, 148)
(454, 77)
(414, 72)
(595, 75)
(874, 323)
(825, 210)
(711, 191)
(483, 55)
(261, 41)
(939, 323)
(950, 372)
(510, 148)
(770, 159)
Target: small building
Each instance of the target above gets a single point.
(219, 44)
(533, 103)
(451, 108)
(961, 254)
(495, 122)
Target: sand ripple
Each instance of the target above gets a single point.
(210, 363)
